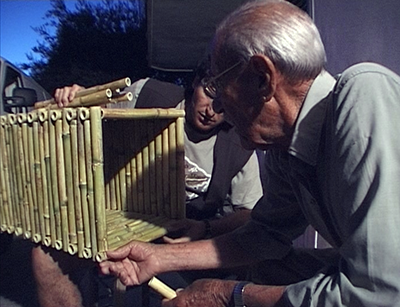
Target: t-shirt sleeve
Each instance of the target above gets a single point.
(246, 185)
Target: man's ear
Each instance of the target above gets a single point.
(265, 70)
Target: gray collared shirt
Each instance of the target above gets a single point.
(341, 174)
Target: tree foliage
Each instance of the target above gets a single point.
(96, 43)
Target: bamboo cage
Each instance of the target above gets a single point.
(89, 179)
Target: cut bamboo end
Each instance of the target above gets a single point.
(87, 253)
(55, 115)
(37, 238)
(162, 288)
(22, 118)
(101, 256)
(12, 119)
(47, 241)
(58, 245)
(32, 117)
(72, 249)
(43, 114)
(27, 235)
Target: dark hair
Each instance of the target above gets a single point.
(201, 71)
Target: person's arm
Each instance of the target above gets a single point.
(218, 293)
(137, 262)
(197, 230)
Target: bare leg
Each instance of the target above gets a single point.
(54, 275)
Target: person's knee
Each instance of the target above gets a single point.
(47, 261)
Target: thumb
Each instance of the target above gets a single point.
(119, 253)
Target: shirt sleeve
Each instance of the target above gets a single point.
(246, 185)
(364, 176)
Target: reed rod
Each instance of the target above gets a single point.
(62, 193)
(111, 85)
(76, 186)
(172, 169)
(141, 113)
(66, 138)
(98, 177)
(38, 178)
(54, 176)
(43, 138)
(83, 182)
(180, 168)
(161, 288)
(85, 115)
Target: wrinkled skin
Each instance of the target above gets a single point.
(203, 292)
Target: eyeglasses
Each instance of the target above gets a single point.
(211, 86)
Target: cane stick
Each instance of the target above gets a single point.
(98, 176)
(161, 288)
(83, 181)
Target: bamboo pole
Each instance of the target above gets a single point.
(152, 167)
(43, 139)
(38, 178)
(125, 97)
(83, 182)
(116, 225)
(57, 117)
(22, 119)
(125, 234)
(15, 168)
(31, 158)
(47, 182)
(161, 288)
(134, 172)
(4, 182)
(159, 167)
(142, 113)
(146, 168)
(76, 187)
(147, 235)
(85, 116)
(166, 170)
(139, 170)
(98, 177)
(180, 168)
(97, 98)
(18, 157)
(66, 139)
(24, 182)
(172, 169)
(3, 221)
(53, 118)
(8, 174)
(118, 189)
(121, 83)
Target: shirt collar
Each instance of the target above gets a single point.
(306, 137)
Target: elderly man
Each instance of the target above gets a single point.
(333, 162)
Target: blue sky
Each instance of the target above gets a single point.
(17, 17)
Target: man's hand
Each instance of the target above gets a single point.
(63, 96)
(189, 230)
(133, 263)
(203, 292)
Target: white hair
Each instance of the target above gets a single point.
(274, 28)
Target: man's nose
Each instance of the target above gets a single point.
(210, 111)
